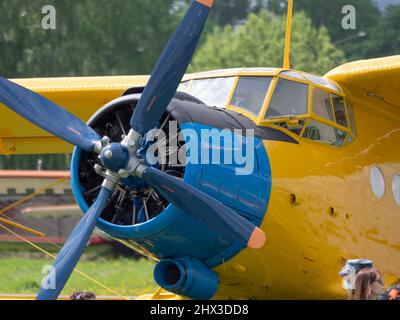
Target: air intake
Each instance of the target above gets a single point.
(186, 277)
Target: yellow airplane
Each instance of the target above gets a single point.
(325, 186)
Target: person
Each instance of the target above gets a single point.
(392, 294)
(361, 280)
(83, 296)
(369, 285)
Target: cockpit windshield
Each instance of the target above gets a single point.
(212, 91)
(290, 98)
(313, 108)
(250, 93)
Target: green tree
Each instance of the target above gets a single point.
(93, 37)
(384, 38)
(230, 11)
(260, 43)
(12, 36)
(329, 14)
(225, 11)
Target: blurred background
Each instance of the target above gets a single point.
(126, 37)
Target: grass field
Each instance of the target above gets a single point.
(21, 272)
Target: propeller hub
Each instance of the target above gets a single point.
(115, 157)
(108, 154)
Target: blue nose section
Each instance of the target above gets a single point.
(115, 157)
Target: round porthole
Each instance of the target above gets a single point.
(396, 188)
(377, 182)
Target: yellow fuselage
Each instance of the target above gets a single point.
(322, 212)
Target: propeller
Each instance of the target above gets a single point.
(155, 99)
(205, 209)
(170, 68)
(47, 115)
(69, 255)
(121, 159)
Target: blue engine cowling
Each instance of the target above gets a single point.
(171, 233)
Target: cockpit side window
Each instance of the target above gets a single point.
(323, 133)
(289, 99)
(250, 93)
(322, 104)
(340, 110)
(327, 119)
(331, 127)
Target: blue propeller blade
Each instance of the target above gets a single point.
(170, 68)
(73, 249)
(47, 115)
(205, 209)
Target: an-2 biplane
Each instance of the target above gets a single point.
(325, 186)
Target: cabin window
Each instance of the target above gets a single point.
(396, 189)
(322, 104)
(378, 183)
(340, 110)
(323, 133)
(250, 93)
(213, 91)
(290, 99)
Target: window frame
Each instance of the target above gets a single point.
(231, 91)
(330, 102)
(263, 121)
(311, 115)
(265, 104)
(330, 122)
(325, 121)
(345, 109)
(260, 119)
(351, 119)
(311, 87)
(277, 119)
(344, 144)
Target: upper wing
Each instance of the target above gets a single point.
(371, 79)
(81, 96)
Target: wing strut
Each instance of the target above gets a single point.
(286, 59)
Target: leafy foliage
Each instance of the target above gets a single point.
(93, 37)
(383, 38)
(329, 14)
(260, 43)
(376, 33)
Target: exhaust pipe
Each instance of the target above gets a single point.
(187, 277)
